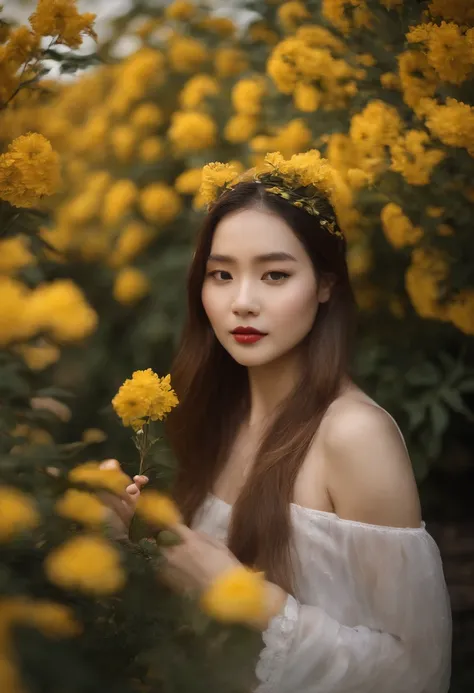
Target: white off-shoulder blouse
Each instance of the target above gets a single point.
(370, 613)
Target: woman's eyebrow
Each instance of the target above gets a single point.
(267, 257)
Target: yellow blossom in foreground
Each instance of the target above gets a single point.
(18, 512)
(91, 474)
(61, 309)
(52, 619)
(448, 48)
(130, 285)
(60, 18)
(15, 323)
(398, 228)
(189, 182)
(236, 596)
(81, 506)
(229, 62)
(214, 176)
(160, 203)
(192, 131)
(118, 201)
(14, 254)
(144, 396)
(29, 169)
(186, 54)
(86, 563)
(158, 509)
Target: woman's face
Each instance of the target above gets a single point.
(259, 276)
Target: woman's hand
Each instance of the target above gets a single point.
(195, 563)
(121, 509)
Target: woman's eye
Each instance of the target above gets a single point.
(220, 275)
(277, 276)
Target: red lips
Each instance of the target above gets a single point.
(247, 330)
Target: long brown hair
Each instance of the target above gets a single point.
(214, 393)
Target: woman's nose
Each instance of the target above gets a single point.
(245, 301)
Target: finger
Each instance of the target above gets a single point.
(132, 490)
(210, 540)
(140, 480)
(110, 464)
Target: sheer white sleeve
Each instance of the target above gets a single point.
(371, 615)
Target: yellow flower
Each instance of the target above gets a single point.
(413, 159)
(50, 618)
(189, 182)
(453, 124)
(123, 139)
(15, 323)
(133, 239)
(180, 9)
(130, 286)
(261, 32)
(158, 509)
(359, 260)
(29, 169)
(61, 309)
(18, 512)
(144, 396)
(93, 435)
(81, 506)
(390, 80)
(192, 131)
(186, 54)
(60, 18)
(460, 11)
(398, 228)
(449, 49)
(229, 62)
(417, 78)
(307, 98)
(214, 176)
(423, 279)
(86, 563)
(223, 26)
(22, 46)
(91, 474)
(236, 596)
(38, 356)
(14, 254)
(460, 311)
(247, 96)
(160, 203)
(291, 14)
(151, 149)
(118, 201)
(147, 115)
(196, 90)
(240, 128)
(293, 138)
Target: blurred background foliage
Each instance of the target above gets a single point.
(96, 236)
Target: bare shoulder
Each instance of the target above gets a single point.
(369, 473)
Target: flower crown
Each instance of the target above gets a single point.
(300, 180)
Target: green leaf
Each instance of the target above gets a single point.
(439, 417)
(416, 413)
(425, 374)
(455, 402)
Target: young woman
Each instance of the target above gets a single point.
(285, 464)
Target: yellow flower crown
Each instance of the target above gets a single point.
(299, 180)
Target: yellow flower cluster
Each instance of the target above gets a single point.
(460, 11)
(130, 286)
(291, 14)
(449, 49)
(398, 228)
(292, 138)
(196, 90)
(134, 238)
(413, 159)
(92, 475)
(418, 78)
(247, 96)
(81, 506)
(60, 19)
(159, 203)
(452, 123)
(311, 74)
(29, 169)
(15, 254)
(189, 182)
(86, 563)
(181, 10)
(423, 281)
(18, 512)
(346, 15)
(144, 396)
(192, 131)
(236, 596)
(158, 509)
(186, 54)
(230, 61)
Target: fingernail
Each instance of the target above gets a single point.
(109, 464)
